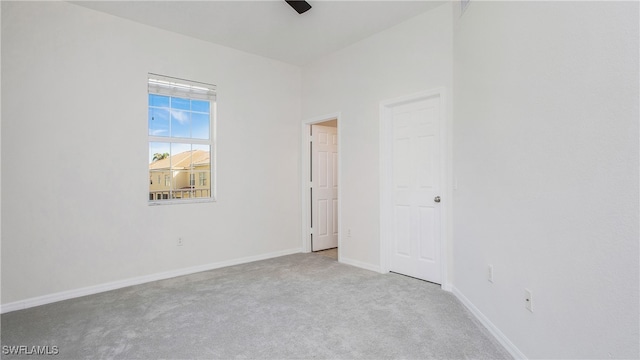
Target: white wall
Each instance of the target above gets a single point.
(75, 152)
(546, 157)
(413, 56)
(0, 150)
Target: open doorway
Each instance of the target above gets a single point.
(321, 225)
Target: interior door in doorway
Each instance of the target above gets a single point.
(324, 187)
(416, 186)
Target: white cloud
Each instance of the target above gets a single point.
(181, 116)
(159, 132)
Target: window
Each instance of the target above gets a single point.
(181, 123)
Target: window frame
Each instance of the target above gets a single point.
(181, 90)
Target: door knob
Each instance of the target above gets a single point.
(437, 199)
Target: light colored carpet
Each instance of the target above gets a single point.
(299, 306)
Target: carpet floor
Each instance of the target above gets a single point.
(301, 306)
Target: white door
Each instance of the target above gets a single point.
(415, 181)
(324, 187)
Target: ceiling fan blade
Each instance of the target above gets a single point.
(299, 5)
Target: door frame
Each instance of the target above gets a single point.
(305, 169)
(386, 193)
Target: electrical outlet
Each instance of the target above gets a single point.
(349, 232)
(528, 298)
(490, 273)
(180, 241)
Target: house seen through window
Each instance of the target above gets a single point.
(181, 140)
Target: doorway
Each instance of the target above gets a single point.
(320, 185)
(324, 185)
(413, 178)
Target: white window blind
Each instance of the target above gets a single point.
(165, 85)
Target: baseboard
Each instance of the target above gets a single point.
(359, 264)
(90, 290)
(502, 338)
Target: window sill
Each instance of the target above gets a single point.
(176, 202)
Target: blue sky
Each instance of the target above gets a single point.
(177, 117)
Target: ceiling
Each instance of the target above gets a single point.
(270, 28)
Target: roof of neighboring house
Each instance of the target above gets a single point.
(183, 160)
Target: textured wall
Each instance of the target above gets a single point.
(75, 153)
(546, 157)
(411, 57)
